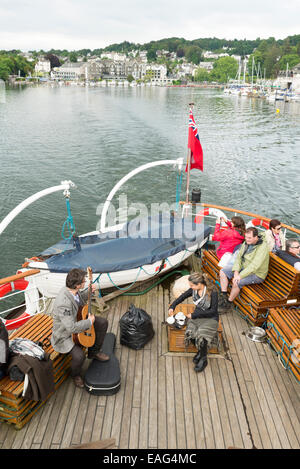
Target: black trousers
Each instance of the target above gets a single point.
(77, 353)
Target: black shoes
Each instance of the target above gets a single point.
(201, 357)
(223, 304)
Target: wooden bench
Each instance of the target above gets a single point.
(13, 407)
(283, 331)
(176, 336)
(280, 288)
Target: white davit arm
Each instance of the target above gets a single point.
(178, 162)
(64, 186)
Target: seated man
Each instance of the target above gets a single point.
(251, 266)
(65, 323)
(291, 255)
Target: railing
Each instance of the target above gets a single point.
(32, 303)
(201, 206)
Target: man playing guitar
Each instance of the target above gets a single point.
(66, 324)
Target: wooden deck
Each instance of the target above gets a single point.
(244, 398)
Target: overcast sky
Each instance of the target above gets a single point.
(91, 24)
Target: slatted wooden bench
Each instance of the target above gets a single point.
(283, 331)
(14, 408)
(176, 336)
(280, 288)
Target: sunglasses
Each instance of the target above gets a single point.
(278, 228)
(295, 247)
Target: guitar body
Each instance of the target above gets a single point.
(86, 338)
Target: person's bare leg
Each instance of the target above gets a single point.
(223, 281)
(234, 293)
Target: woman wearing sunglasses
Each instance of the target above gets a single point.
(275, 237)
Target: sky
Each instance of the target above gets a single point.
(92, 24)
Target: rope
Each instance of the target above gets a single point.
(69, 223)
(181, 272)
(284, 362)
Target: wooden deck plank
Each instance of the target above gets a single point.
(236, 409)
(205, 409)
(244, 378)
(214, 409)
(170, 393)
(226, 409)
(67, 403)
(57, 401)
(180, 390)
(134, 428)
(86, 435)
(144, 414)
(269, 407)
(72, 433)
(98, 422)
(190, 431)
(198, 420)
(153, 401)
(124, 436)
(283, 404)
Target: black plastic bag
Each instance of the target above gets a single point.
(136, 328)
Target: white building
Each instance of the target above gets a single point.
(69, 71)
(43, 66)
(207, 65)
(116, 56)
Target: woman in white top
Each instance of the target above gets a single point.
(274, 236)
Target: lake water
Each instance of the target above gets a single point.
(94, 136)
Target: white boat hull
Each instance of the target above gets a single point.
(49, 283)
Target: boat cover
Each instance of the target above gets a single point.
(142, 241)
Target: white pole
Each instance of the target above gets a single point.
(178, 162)
(65, 186)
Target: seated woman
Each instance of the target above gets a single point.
(231, 237)
(274, 236)
(203, 322)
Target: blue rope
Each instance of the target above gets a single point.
(69, 223)
(284, 344)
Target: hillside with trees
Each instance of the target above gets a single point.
(269, 56)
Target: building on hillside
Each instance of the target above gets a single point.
(43, 66)
(207, 65)
(116, 56)
(70, 71)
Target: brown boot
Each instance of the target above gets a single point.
(102, 357)
(78, 381)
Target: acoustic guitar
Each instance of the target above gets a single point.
(86, 338)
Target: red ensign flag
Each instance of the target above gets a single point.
(194, 145)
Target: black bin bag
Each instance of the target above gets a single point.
(136, 328)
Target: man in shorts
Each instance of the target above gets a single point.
(251, 266)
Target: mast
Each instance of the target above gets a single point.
(188, 167)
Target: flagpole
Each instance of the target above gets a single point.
(188, 167)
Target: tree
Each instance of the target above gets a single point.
(73, 56)
(292, 60)
(193, 54)
(224, 68)
(54, 60)
(4, 72)
(202, 74)
(151, 55)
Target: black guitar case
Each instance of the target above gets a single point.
(104, 378)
